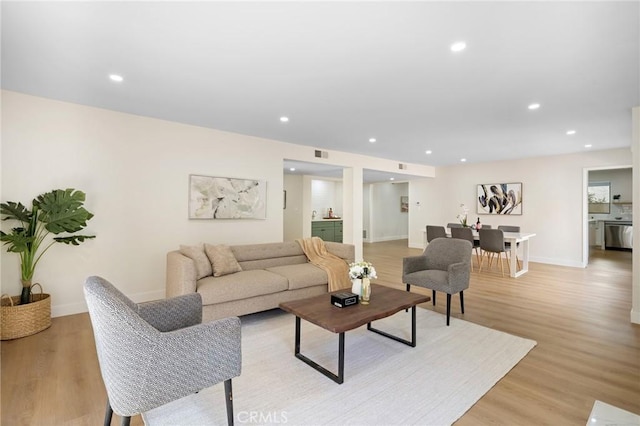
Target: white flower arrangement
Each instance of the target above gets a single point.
(462, 217)
(357, 270)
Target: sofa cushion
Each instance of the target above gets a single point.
(200, 259)
(222, 259)
(267, 255)
(240, 285)
(301, 276)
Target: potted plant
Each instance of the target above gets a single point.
(59, 211)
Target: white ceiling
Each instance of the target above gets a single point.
(346, 71)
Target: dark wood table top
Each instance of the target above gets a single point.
(385, 301)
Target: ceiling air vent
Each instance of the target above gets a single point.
(402, 166)
(321, 154)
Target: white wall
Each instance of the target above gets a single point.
(366, 211)
(326, 194)
(135, 172)
(293, 215)
(635, 154)
(386, 221)
(552, 199)
(425, 208)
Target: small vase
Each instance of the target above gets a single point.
(366, 291)
(356, 287)
(25, 296)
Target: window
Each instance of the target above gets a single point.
(599, 197)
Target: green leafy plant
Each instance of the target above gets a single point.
(59, 211)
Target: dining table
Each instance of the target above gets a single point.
(513, 238)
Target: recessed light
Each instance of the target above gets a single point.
(284, 119)
(115, 77)
(571, 132)
(534, 106)
(458, 46)
(428, 152)
(463, 159)
(292, 169)
(372, 140)
(392, 178)
(588, 145)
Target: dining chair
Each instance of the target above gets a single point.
(443, 266)
(156, 352)
(507, 245)
(454, 225)
(492, 243)
(467, 234)
(434, 232)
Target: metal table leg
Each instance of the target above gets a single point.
(339, 378)
(412, 342)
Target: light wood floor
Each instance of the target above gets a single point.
(587, 349)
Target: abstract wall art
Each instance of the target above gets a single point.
(500, 198)
(226, 198)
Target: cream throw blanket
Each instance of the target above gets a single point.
(335, 267)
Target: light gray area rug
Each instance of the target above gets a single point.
(386, 382)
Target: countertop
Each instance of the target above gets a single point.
(612, 221)
(327, 220)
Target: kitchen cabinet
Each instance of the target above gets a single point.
(328, 230)
(599, 233)
(593, 226)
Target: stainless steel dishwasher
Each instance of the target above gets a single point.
(618, 235)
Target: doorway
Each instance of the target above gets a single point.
(607, 198)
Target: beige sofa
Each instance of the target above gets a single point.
(271, 273)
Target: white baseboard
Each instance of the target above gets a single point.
(78, 308)
(392, 238)
(559, 262)
(635, 316)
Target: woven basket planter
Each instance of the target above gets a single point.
(24, 320)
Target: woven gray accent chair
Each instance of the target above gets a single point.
(434, 231)
(444, 266)
(156, 352)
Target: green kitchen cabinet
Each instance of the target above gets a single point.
(330, 230)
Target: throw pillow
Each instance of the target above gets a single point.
(222, 260)
(203, 265)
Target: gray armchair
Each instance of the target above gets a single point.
(444, 266)
(157, 352)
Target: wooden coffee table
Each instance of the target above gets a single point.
(318, 310)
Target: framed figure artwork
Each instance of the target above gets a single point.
(499, 198)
